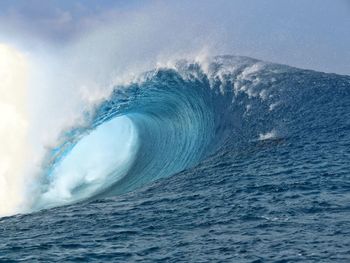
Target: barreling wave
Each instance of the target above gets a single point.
(174, 118)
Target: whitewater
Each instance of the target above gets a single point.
(204, 158)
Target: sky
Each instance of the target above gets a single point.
(309, 34)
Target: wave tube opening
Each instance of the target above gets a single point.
(102, 156)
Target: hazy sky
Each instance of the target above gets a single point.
(311, 34)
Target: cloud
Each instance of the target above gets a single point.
(54, 20)
(297, 34)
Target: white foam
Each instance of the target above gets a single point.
(267, 136)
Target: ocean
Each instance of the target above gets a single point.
(228, 160)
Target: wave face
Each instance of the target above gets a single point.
(172, 119)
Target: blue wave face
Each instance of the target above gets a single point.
(173, 119)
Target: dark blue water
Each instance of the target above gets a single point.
(237, 161)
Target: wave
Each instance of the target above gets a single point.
(173, 118)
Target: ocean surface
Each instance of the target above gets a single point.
(228, 160)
